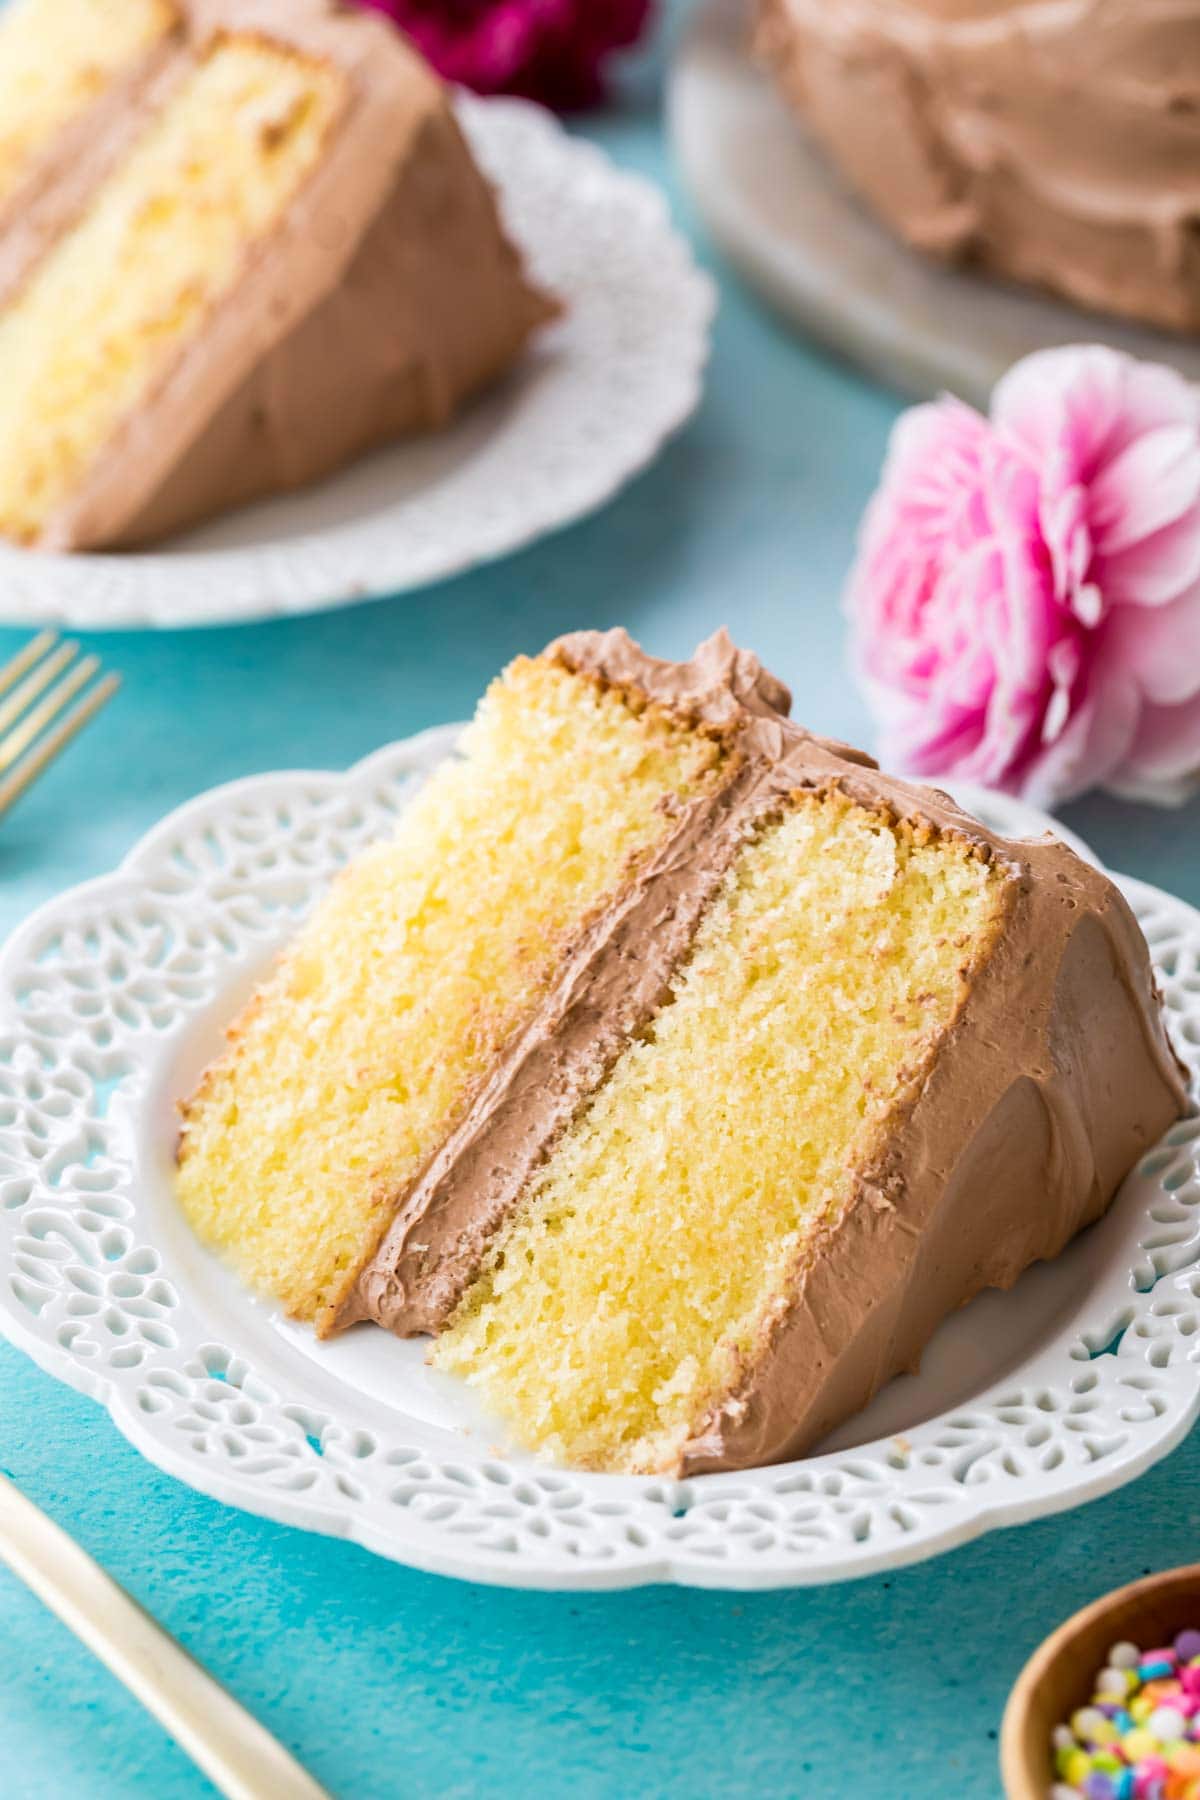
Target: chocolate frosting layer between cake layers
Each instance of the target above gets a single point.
(60, 177)
(1057, 141)
(614, 979)
(385, 294)
(1055, 1076)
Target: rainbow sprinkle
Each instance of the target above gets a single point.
(1139, 1739)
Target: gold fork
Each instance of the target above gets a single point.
(35, 726)
(239, 1756)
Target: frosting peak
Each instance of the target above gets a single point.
(718, 684)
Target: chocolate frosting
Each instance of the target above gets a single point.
(1055, 1076)
(614, 978)
(384, 296)
(1057, 141)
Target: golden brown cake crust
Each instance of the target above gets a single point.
(1057, 1075)
(383, 297)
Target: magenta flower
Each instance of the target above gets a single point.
(548, 50)
(1026, 598)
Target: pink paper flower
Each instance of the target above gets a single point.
(1026, 598)
(548, 50)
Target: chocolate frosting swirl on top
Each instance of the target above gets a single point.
(1057, 141)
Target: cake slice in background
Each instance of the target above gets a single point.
(60, 62)
(1058, 145)
(276, 253)
(678, 1069)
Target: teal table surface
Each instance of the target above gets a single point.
(387, 1682)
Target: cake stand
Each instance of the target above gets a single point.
(788, 222)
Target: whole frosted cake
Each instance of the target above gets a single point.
(677, 1069)
(240, 243)
(1055, 141)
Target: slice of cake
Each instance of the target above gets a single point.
(1055, 144)
(678, 1069)
(240, 243)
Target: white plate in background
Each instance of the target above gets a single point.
(590, 405)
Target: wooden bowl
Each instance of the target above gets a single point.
(1058, 1677)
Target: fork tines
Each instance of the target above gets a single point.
(37, 688)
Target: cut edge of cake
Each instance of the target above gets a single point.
(610, 984)
(876, 1278)
(362, 1050)
(95, 84)
(1008, 1131)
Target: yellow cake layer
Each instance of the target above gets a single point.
(360, 1054)
(618, 1301)
(56, 58)
(165, 239)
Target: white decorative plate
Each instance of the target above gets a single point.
(791, 225)
(114, 996)
(591, 404)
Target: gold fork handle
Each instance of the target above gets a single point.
(241, 1758)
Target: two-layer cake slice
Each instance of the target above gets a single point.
(677, 1069)
(240, 243)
